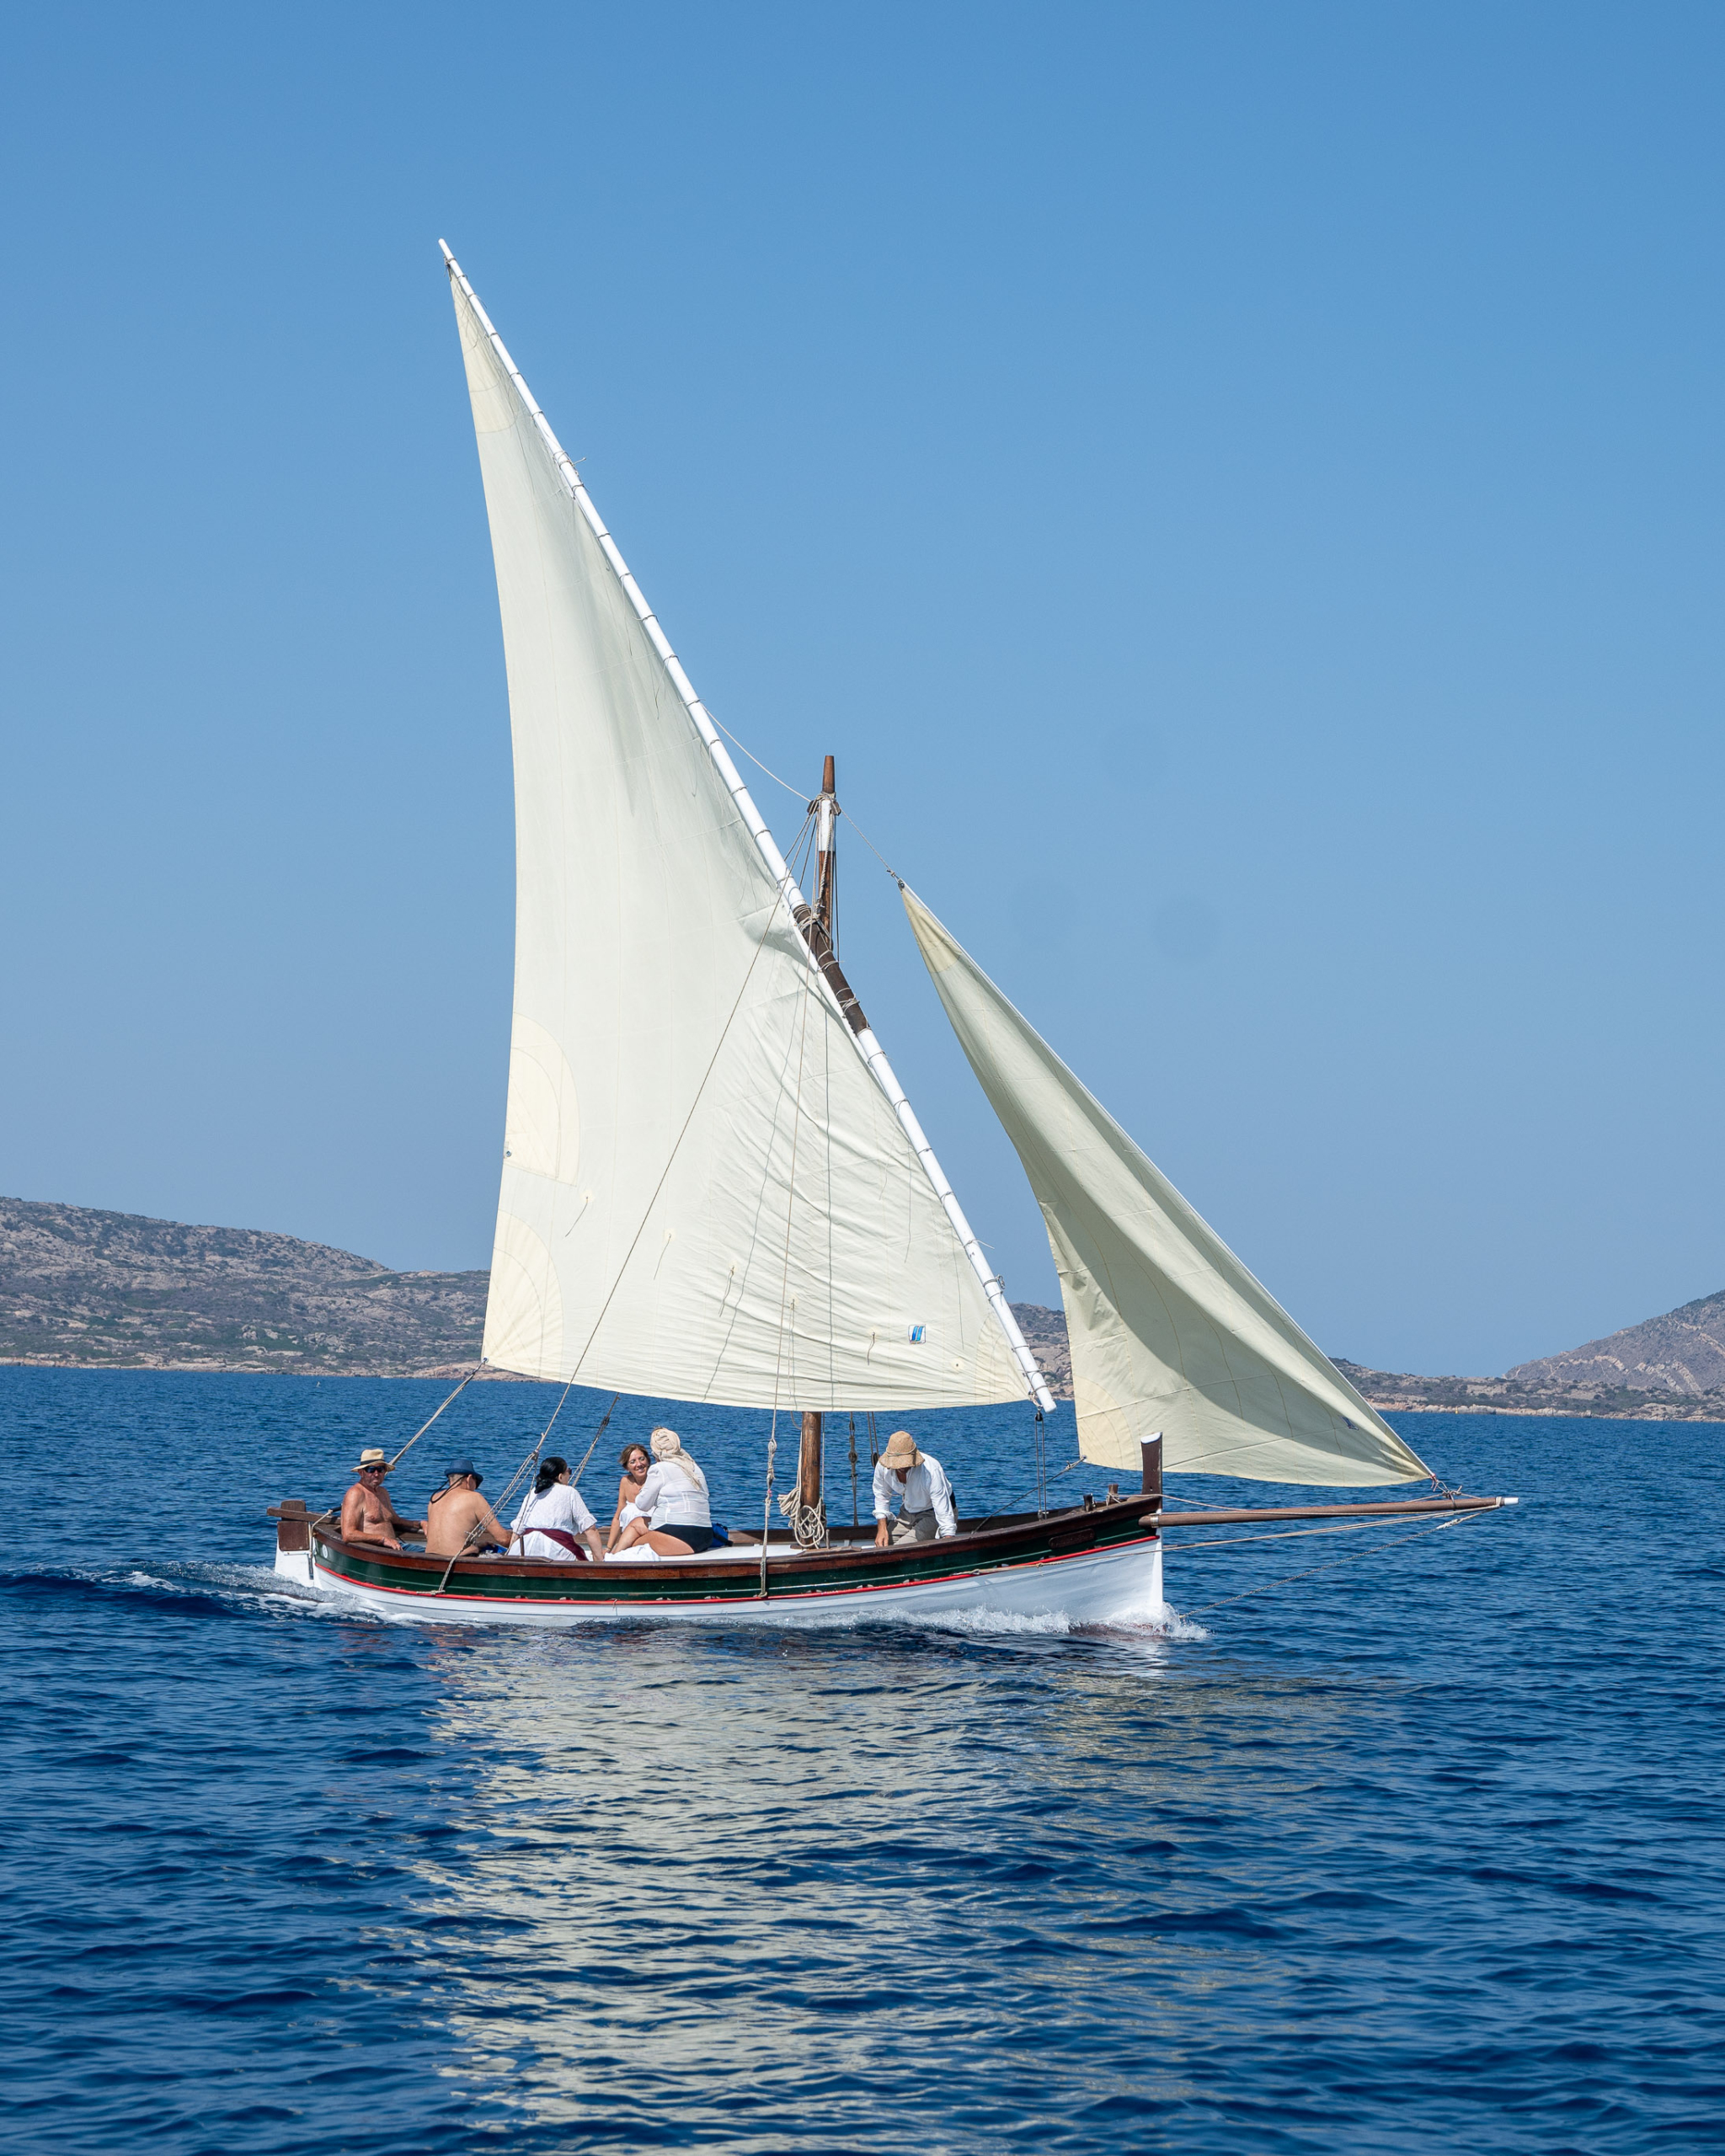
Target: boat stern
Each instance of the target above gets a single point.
(293, 1541)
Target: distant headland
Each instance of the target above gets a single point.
(88, 1290)
(117, 1291)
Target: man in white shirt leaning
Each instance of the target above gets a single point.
(919, 1482)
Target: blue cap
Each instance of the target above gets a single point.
(461, 1467)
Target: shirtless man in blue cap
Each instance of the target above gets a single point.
(458, 1520)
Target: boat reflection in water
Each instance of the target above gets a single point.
(700, 1860)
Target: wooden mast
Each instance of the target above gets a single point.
(825, 862)
(825, 847)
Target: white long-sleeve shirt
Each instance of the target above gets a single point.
(672, 1495)
(559, 1507)
(922, 1488)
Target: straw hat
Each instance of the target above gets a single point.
(372, 1456)
(901, 1452)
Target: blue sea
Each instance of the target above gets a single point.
(1420, 1850)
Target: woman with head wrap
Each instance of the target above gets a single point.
(670, 1514)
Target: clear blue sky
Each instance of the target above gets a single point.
(1238, 487)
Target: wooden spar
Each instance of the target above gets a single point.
(868, 1047)
(1240, 1516)
(808, 1459)
(815, 921)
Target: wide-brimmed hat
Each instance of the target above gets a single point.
(372, 1456)
(458, 1468)
(901, 1450)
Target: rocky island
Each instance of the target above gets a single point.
(115, 1290)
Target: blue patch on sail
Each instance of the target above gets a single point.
(916, 1333)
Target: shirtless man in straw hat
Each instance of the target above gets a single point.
(367, 1513)
(919, 1482)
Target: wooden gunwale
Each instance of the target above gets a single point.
(1020, 1541)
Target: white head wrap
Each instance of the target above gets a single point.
(668, 1451)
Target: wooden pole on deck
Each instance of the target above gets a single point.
(1151, 1449)
(808, 1461)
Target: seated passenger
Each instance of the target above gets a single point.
(673, 1498)
(367, 1513)
(458, 1521)
(635, 1464)
(919, 1482)
(554, 1515)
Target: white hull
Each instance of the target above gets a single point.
(1108, 1587)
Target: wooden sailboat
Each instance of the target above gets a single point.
(714, 1189)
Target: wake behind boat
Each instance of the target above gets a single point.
(714, 1189)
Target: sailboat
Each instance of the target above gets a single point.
(714, 1189)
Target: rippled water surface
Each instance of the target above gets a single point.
(1420, 1852)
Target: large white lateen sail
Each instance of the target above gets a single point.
(706, 1195)
(1169, 1332)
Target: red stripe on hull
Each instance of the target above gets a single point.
(616, 1604)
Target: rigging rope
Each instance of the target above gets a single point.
(529, 1466)
(1281, 1535)
(1041, 1495)
(761, 944)
(1461, 1519)
(430, 1419)
(808, 1525)
(872, 847)
(766, 1507)
(605, 1424)
(751, 755)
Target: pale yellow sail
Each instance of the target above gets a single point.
(705, 1195)
(1169, 1330)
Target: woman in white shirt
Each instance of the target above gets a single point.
(554, 1516)
(671, 1513)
